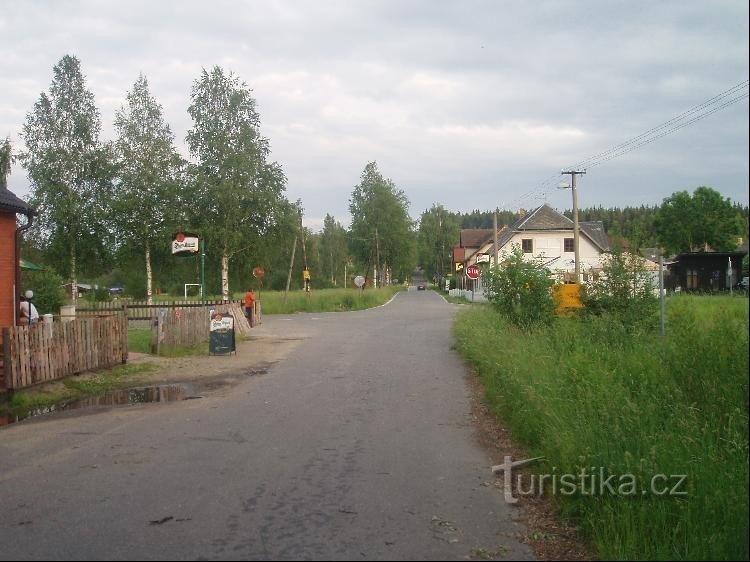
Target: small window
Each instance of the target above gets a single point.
(569, 246)
(528, 245)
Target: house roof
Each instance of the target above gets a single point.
(545, 217)
(9, 202)
(474, 237)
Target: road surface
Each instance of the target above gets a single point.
(357, 446)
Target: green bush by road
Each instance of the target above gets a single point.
(590, 393)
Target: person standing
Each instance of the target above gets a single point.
(249, 306)
(29, 313)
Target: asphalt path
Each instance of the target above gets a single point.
(359, 445)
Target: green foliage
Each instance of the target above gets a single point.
(686, 223)
(47, 285)
(520, 290)
(239, 195)
(586, 392)
(146, 205)
(381, 223)
(624, 290)
(333, 252)
(69, 170)
(438, 233)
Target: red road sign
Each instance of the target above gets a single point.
(472, 272)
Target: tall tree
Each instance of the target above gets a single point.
(146, 201)
(6, 159)
(67, 166)
(381, 227)
(333, 248)
(686, 223)
(438, 233)
(240, 194)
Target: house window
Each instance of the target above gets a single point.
(528, 245)
(569, 247)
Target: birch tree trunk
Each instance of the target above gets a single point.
(149, 289)
(225, 277)
(73, 274)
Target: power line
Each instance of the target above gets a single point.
(725, 99)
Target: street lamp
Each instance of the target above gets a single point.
(572, 186)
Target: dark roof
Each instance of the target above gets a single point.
(595, 231)
(474, 237)
(9, 202)
(545, 217)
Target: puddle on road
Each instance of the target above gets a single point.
(113, 398)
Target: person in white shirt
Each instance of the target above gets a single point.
(29, 313)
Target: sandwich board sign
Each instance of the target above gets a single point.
(221, 339)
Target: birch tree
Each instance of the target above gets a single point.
(147, 198)
(240, 193)
(67, 165)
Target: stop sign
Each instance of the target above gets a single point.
(472, 272)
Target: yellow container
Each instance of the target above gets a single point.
(567, 297)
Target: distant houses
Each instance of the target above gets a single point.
(546, 236)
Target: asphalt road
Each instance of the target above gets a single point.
(358, 445)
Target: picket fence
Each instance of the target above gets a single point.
(44, 352)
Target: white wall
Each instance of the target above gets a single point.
(550, 244)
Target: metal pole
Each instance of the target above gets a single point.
(203, 269)
(662, 296)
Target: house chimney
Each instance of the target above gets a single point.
(522, 212)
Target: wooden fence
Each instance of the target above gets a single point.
(140, 309)
(44, 352)
(190, 325)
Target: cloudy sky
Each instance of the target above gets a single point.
(472, 104)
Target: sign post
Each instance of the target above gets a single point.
(472, 272)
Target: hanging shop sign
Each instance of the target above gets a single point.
(185, 244)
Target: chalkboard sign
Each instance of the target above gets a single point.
(221, 334)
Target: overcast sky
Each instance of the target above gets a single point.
(468, 104)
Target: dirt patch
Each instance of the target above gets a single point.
(255, 356)
(548, 535)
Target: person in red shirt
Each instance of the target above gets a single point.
(249, 305)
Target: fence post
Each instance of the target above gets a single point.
(6, 358)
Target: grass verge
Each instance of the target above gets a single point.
(588, 393)
(325, 300)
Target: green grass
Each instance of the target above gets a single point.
(39, 398)
(325, 300)
(139, 341)
(588, 393)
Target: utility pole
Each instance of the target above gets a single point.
(573, 174)
(304, 253)
(494, 232)
(291, 266)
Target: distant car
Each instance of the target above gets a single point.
(742, 285)
(421, 288)
(116, 290)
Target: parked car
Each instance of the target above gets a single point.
(116, 290)
(742, 286)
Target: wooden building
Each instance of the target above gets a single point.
(705, 271)
(10, 242)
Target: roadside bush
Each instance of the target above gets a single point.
(521, 291)
(47, 285)
(625, 291)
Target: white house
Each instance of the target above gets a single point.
(546, 236)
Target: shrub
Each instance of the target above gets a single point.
(625, 291)
(521, 291)
(47, 285)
